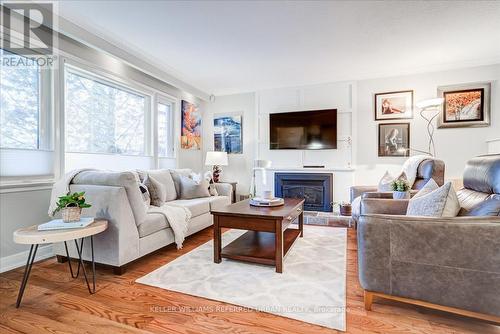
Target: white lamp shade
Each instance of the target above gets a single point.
(216, 158)
(430, 103)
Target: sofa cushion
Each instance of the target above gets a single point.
(157, 191)
(197, 206)
(164, 177)
(469, 198)
(176, 176)
(482, 174)
(489, 207)
(127, 180)
(217, 202)
(442, 202)
(154, 222)
(192, 189)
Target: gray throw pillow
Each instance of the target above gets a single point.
(156, 191)
(489, 207)
(191, 189)
(176, 177)
(442, 202)
(429, 187)
(164, 177)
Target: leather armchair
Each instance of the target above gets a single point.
(450, 264)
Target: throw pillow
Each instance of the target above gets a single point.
(489, 207)
(385, 183)
(442, 202)
(164, 177)
(429, 187)
(191, 189)
(156, 191)
(176, 177)
(146, 197)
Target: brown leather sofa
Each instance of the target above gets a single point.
(430, 168)
(427, 169)
(451, 264)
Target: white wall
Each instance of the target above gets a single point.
(455, 146)
(240, 165)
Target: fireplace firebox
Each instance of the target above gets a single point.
(315, 188)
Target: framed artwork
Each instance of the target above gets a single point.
(190, 126)
(394, 105)
(394, 140)
(465, 105)
(228, 134)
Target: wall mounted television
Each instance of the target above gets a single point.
(303, 130)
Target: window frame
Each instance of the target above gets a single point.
(45, 133)
(107, 79)
(166, 100)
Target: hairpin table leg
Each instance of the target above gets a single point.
(79, 250)
(27, 271)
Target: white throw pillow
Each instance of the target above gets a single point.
(385, 183)
(441, 202)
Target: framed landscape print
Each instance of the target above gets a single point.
(228, 134)
(190, 126)
(394, 105)
(394, 140)
(465, 105)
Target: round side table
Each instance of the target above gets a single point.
(31, 236)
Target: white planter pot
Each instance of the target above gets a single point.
(401, 194)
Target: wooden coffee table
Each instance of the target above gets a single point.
(269, 236)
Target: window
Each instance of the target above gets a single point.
(165, 127)
(103, 117)
(19, 105)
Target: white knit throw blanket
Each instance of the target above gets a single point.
(178, 217)
(61, 188)
(410, 167)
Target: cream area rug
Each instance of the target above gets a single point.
(312, 287)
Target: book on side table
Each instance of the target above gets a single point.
(58, 224)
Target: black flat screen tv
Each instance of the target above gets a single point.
(304, 130)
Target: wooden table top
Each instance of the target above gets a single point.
(31, 235)
(244, 209)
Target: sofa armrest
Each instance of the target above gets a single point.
(383, 206)
(447, 261)
(119, 244)
(356, 191)
(224, 189)
(378, 194)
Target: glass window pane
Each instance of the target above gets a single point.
(19, 104)
(163, 129)
(101, 118)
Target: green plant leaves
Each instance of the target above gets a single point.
(76, 199)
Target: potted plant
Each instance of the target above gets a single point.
(344, 207)
(401, 189)
(71, 206)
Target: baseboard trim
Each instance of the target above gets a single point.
(19, 259)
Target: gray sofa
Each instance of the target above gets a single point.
(452, 264)
(133, 230)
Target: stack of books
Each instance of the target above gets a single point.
(58, 224)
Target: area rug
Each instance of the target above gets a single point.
(312, 287)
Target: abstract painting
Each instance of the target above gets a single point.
(394, 140)
(465, 105)
(228, 134)
(394, 105)
(190, 126)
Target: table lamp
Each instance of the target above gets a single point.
(216, 159)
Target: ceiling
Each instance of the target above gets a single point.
(224, 47)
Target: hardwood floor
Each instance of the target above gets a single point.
(55, 303)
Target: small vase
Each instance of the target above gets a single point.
(71, 214)
(400, 194)
(345, 210)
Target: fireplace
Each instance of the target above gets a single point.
(315, 188)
